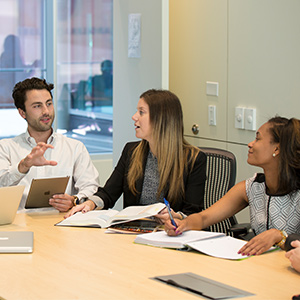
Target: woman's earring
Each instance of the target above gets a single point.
(274, 154)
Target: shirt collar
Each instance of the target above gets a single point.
(31, 141)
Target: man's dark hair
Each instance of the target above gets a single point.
(34, 83)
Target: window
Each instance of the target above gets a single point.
(21, 42)
(85, 72)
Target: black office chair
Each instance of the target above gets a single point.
(221, 175)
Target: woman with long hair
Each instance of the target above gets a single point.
(162, 165)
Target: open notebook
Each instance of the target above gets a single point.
(210, 243)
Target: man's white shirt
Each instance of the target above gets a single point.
(72, 160)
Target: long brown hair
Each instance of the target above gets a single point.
(172, 150)
(286, 132)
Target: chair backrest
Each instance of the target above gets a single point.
(221, 175)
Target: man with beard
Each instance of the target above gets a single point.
(42, 153)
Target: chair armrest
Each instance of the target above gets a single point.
(239, 229)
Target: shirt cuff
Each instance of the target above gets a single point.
(16, 175)
(97, 200)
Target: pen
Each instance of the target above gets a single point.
(169, 211)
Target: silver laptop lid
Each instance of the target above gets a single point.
(16, 241)
(10, 198)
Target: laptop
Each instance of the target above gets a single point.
(41, 190)
(10, 198)
(16, 241)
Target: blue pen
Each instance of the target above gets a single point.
(169, 211)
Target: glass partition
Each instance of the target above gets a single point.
(85, 72)
(21, 44)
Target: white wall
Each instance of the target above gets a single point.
(132, 76)
(104, 167)
(251, 48)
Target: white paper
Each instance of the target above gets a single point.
(161, 239)
(139, 211)
(225, 247)
(134, 35)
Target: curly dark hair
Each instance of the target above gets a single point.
(34, 83)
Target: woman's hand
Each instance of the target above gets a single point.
(84, 207)
(163, 215)
(261, 243)
(182, 225)
(294, 255)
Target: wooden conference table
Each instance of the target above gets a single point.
(86, 263)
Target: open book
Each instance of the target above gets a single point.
(210, 243)
(106, 218)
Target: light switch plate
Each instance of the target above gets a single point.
(212, 88)
(239, 118)
(250, 119)
(212, 115)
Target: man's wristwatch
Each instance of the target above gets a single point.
(283, 239)
(76, 200)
